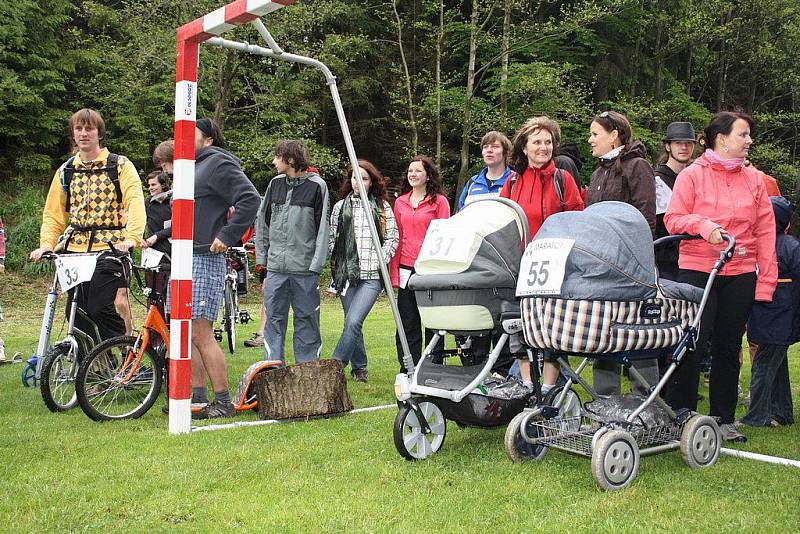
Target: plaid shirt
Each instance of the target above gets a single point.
(367, 255)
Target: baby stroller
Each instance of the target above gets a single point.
(465, 278)
(603, 299)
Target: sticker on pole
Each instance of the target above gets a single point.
(74, 269)
(543, 265)
(448, 244)
(151, 257)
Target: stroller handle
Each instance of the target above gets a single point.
(725, 255)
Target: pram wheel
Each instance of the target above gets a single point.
(615, 460)
(700, 442)
(409, 438)
(517, 449)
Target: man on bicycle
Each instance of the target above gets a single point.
(99, 195)
(219, 184)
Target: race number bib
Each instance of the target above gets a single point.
(447, 243)
(151, 257)
(543, 265)
(74, 269)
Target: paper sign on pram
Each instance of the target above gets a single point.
(543, 266)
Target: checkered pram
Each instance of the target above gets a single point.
(604, 326)
(609, 300)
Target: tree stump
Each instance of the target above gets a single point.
(306, 389)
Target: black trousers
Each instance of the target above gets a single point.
(412, 326)
(96, 298)
(724, 319)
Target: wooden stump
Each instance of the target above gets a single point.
(311, 388)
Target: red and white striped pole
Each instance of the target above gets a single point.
(189, 38)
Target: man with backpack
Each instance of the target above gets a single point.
(96, 198)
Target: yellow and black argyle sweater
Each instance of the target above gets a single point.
(95, 214)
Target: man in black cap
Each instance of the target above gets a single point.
(219, 184)
(679, 146)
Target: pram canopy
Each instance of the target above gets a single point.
(612, 256)
(468, 265)
(478, 247)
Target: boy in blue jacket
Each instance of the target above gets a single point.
(774, 326)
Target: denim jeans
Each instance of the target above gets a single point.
(356, 302)
(770, 392)
(301, 291)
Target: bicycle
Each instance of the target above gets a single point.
(60, 364)
(32, 371)
(122, 377)
(235, 284)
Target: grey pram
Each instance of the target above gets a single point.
(608, 302)
(465, 279)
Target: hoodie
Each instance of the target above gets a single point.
(535, 192)
(635, 185)
(706, 196)
(219, 184)
(569, 158)
(778, 322)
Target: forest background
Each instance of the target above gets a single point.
(415, 76)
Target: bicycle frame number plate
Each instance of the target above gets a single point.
(75, 269)
(151, 257)
(543, 266)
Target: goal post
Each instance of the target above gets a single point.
(207, 29)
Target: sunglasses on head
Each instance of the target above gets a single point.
(607, 116)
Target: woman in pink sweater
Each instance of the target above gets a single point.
(421, 202)
(715, 195)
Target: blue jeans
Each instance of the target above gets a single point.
(301, 291)
(770, 392)
(356, 302)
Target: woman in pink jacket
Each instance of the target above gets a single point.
(421, 202)
(715, 195)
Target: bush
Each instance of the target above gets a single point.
(21, 210)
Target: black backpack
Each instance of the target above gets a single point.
(111, 168)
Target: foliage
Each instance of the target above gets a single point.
(655, 60)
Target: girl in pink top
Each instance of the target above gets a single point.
(717, 194)
(421, 202)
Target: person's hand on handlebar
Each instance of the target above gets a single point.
(218, 246)
(37, 254)
(150, 241)
(715, 238)
(124, 246)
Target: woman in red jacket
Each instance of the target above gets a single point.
(541, 191)
(715, 195)
(421, 202)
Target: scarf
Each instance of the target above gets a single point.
(345, 253)
(729, 164)
(608, 156)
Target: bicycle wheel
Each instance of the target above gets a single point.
(231, 311)
(113, 383)
(57, 380)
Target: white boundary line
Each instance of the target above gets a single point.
(760, 457)
(240, 424)
(729, 452)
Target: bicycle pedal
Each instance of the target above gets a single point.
(244, 317)
(218, 334)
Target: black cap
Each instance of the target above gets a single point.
(680, 131)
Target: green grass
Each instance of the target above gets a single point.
(63, 472)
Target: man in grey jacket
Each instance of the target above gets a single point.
(292, 245)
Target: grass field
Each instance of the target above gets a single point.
(63, 472)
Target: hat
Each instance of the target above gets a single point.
(680, 131)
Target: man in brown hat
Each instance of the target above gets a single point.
(679, 146)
